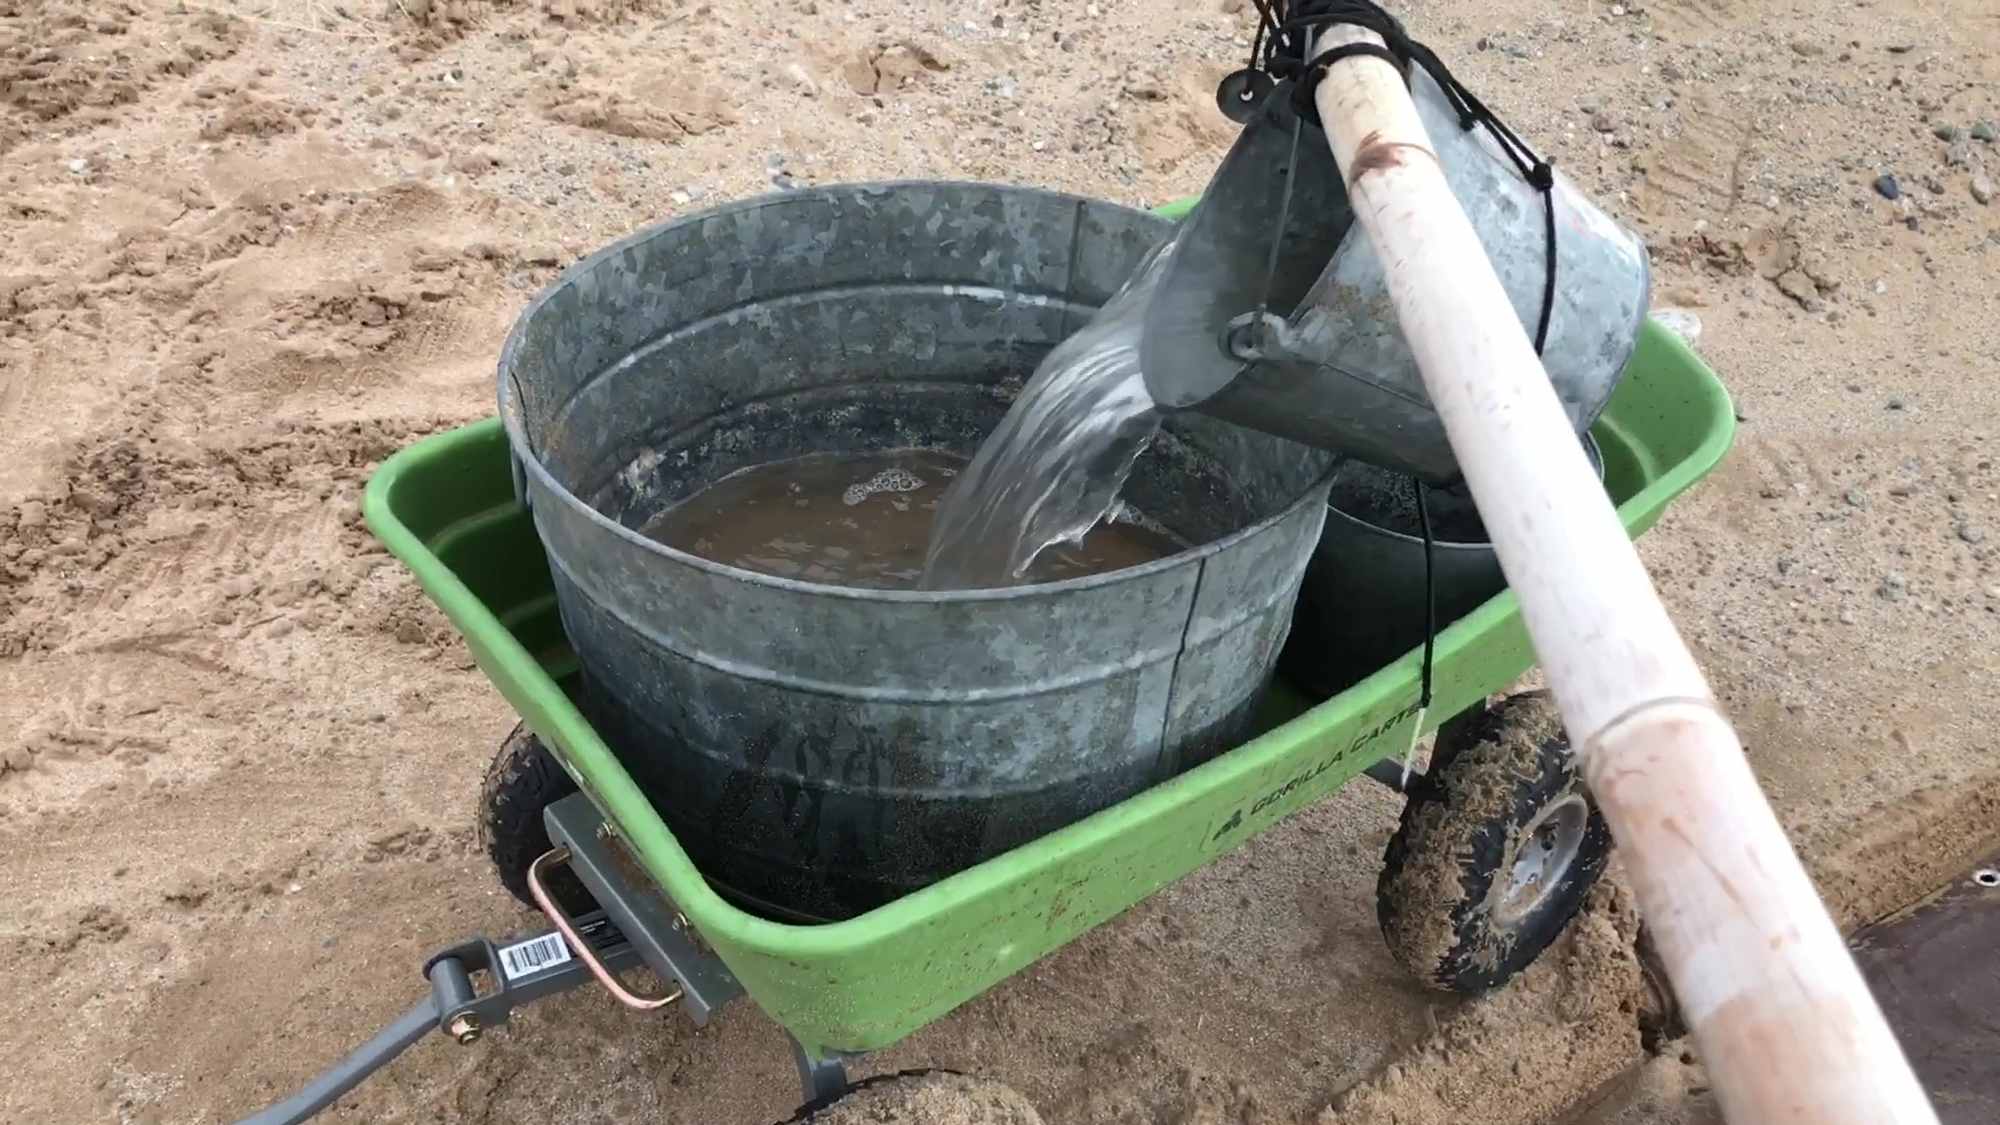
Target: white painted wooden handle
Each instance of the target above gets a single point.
(1784, 1021)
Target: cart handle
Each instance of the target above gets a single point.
(556, 857)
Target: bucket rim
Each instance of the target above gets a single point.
(1592, 450)
(531, 464)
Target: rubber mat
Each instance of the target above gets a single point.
(1935, 969)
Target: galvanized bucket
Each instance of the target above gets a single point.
(820, 749)
(1329, 365)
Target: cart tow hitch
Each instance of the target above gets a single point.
(522, 972)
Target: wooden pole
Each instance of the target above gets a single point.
(1784, 1021)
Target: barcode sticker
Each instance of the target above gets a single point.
(533, 955)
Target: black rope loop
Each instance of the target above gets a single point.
(1307, 86)
(1279, 49)
(1430, 593)
(1285, 26)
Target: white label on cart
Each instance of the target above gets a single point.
(532, 956)
(1410, 751)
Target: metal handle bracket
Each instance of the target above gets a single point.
(557, 857)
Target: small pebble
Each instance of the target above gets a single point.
(1847, 617)
(79, 166)
(1894, 587)
(1887, 187)
(1895, 402)
(1617, 9)
(1982, 188)
(1985, 131)
(1604, 122)
(1945, 131)
(1971, 534)
(1856, 498)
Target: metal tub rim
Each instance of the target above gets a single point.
(1592, 449)
(528, 461)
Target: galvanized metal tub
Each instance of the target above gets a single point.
(821, 749)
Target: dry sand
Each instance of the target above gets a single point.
(927, 1098)
(249, 247)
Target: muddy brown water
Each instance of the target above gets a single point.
(864, 519)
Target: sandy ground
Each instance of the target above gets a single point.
(247, 251)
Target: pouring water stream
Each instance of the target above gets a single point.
(1053, 468)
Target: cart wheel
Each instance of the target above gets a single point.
(921, 1097)
(1497, 849)
(523, 780)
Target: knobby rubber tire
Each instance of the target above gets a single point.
(1446, 870)
(524, 779)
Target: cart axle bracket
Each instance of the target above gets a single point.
(658, 932)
